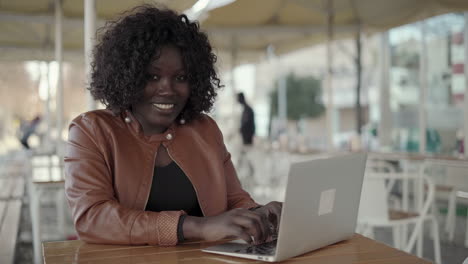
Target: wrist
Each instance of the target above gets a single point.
(192, 227)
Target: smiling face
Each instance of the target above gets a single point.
(165, 93)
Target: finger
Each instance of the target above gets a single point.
(260, 216)
(268, 218)
(240, 233)
(275, 214)
(251, 224)
(264, 224)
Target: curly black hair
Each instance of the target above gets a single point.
(129, 44)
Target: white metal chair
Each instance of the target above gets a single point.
(46, 177)
(464, 195)
(374, 210)
(450, 176)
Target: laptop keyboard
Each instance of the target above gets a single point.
(267, 248)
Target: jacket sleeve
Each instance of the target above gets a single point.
(237, 197)
(97, 214)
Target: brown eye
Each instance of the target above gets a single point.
(155, 77)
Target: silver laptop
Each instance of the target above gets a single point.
(320, 208)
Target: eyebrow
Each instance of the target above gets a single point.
(156, 68)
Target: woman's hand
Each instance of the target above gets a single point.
(250, 226)
(272, 212)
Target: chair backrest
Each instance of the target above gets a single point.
(374, 199)
(378, 165)
(373, 206)
(375, 194)
(448, 173)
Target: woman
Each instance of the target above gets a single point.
(152, 168)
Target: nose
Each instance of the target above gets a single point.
(165, 87)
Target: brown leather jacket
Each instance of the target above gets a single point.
(109, 166)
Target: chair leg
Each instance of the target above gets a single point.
(435, 212)
(404, 236)
(369, 232)
(396, 236)
(35, 209)
(466, 232)
(435, 234)
(360, 228)
(60, 207)
(451, 216)
(419, 245)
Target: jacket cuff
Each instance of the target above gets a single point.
(166, 227)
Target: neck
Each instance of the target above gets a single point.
(147, 129)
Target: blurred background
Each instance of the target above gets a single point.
(386, 77)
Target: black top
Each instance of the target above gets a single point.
(171, 190)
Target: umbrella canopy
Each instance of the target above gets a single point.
(27, 26)
(251, 25)
(248, 26)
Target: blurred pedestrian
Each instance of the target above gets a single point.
(28, 129)
(247, 127)
(247, 130)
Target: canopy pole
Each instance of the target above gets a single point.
(283, 102)
(234, 49)
(59, 59)
(89, 38)
(328, 84)
(47, 108)
(465, 98)
(234, 54)
(423, 73)
(384, 130)
(422, 108)
(358, 64)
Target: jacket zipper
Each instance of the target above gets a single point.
(188, 176)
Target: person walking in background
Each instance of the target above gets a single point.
(27, 130)
(247, 128)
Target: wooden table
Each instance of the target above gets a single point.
(359, 249)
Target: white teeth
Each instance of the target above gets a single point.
(164, 106)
